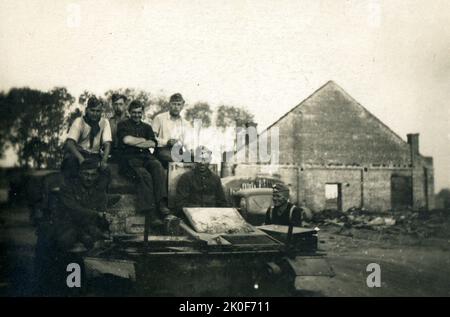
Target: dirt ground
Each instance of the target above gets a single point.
(410, 266)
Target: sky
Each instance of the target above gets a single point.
(391, 56)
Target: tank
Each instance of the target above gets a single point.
(211, 252)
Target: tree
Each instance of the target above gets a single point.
(36, 121)
(199, 111)
(35, 149)
(159, 104)
(229, 116)
(8, 114)
(70, 118)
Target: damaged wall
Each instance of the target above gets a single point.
(331, 138)
(312, 183)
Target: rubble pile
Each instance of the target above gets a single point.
(420, 224)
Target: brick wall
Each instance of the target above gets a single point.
(332, 128)
(331, 138)
(312, 182)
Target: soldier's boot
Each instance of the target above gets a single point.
(164, 211)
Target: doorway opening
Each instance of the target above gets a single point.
(401, 192)
(333, 196)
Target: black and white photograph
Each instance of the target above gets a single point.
(244, 149)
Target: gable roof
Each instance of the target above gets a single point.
(331, 85)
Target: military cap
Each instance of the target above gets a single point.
(176, 97)
(93, 102)
(88, 165)
(280, 188)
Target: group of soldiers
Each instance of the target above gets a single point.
(143, 152)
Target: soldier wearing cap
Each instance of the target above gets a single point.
(137, 143)
(170, 129)
(80, 220)
(87, 137)
(283, 212)
(200, 187)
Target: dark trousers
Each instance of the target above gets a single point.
(148, 175)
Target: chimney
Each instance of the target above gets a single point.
(413, 141)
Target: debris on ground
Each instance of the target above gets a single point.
(418, 223)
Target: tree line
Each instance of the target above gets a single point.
(32, 122)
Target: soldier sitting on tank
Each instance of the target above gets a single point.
(283, 212)
(80, 221)
(87, 137)
(200, 187)
(137, 142)
(171, 132)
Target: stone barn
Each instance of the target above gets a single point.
(334, 154)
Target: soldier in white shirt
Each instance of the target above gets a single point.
(89, 138)
(170, 129)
